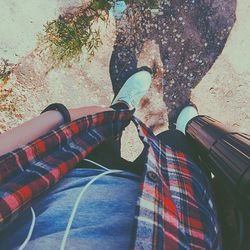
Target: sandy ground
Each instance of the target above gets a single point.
(223, 93)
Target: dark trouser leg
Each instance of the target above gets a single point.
(173, 138)
(176, 140)
(131, 35)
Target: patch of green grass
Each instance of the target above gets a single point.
(66, 37)
(5, 70)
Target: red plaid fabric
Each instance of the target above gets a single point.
(175, 208)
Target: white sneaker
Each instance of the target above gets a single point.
(187, 113)
(134, 89)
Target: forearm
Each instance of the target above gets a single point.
(39, 126)
(84, 111)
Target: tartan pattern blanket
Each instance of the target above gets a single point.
(175, 209)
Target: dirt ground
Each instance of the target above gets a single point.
(224, 93)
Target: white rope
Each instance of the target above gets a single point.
(30, 231)
(66, 234)
(97, 164)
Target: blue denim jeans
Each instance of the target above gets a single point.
(104, 218)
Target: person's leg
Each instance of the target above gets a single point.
(192, 36)
(176, 140)
(131, 34)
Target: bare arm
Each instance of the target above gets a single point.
(39, 126)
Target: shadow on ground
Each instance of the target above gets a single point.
(190, 35)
